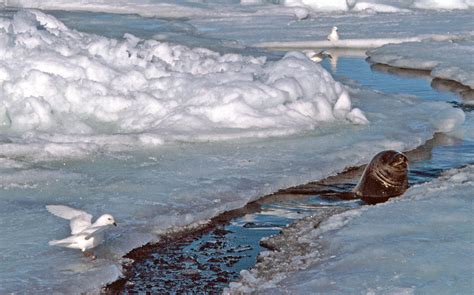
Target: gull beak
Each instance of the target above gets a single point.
(115, 224)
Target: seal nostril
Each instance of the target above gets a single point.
(399, 160)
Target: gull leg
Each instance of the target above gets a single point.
(89, 254)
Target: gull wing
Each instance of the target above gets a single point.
(80, 220)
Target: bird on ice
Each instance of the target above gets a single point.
(85, 235)
(333, 36)
(318, 57)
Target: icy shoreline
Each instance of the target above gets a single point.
(357, 237)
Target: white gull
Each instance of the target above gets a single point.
(85, 235)
(333, 36)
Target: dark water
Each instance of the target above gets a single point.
(207, 261)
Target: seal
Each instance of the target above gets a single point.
(386, 176)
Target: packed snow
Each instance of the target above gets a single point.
(424, 247)
(452, 60)
(163, 135)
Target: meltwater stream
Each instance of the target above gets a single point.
(209, 259)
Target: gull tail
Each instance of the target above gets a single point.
(64, 242)
(58, 243)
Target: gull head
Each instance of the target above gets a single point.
(105, 219)
(318, 57)
(334, 29)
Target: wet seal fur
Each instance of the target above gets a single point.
(386, 176)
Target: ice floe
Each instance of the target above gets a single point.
(354, 43)
(451, 60)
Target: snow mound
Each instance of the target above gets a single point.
(60, 86)
(452, 60)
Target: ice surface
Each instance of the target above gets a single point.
(424, 247)
(353, 43)
(97, 149)
(142, 7)
(283, 30)
(379, 5)
(153, 190)
(237, 25)
(452, 60)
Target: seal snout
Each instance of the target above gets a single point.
(399, 160)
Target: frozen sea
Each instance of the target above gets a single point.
(129, 115)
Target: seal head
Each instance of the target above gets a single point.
(386, 176)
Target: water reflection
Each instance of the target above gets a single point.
(332, 55)
(406, 73)
(352, 63)
(454, 87)
(341, 52)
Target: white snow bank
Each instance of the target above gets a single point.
(324, 5)
(380, 5)
(425, 246)
(443, 4)
(60, 86)
(143, 7)
(189, 8)
(451, 60)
